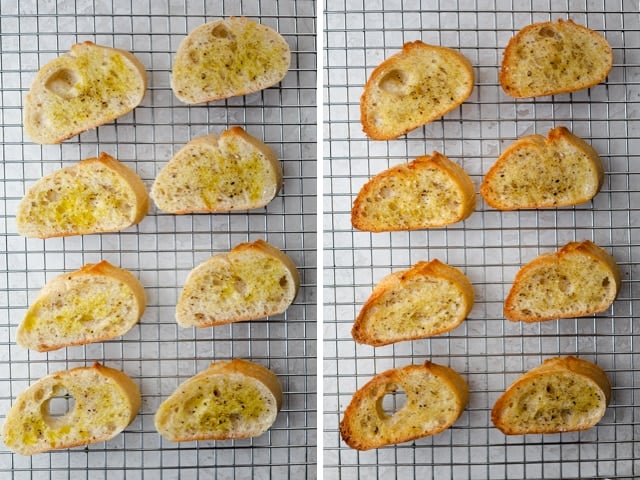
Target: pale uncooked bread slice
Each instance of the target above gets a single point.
(536, 172)
(563, 394)
(231, 399)
(95, 303)
(548, 58)
(428, 299)
(211, 173)
(105, 402)
(94, 196)
(82, 89)
(251, 281)
(435, 397)
(227, 58)
(414, 87)
(431, 191)
(578, 280)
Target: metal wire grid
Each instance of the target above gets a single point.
(163, 248)
(489, 247)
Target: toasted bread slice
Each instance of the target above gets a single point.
(435, 397)
(431, 191)
(548, 58)
(105, 402)
(230, 399)
(233, 171)
(578, 280)
(93, 304)
(536, 172)
(414, 87)
(563, 394)
(428, 299)
(94, 196)
(252, 281)
(228, 58)
(82, 89)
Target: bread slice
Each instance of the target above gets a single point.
(435, 397)
(431, 191)
(563, 394)
(94, 196)
(105, 402)
(93, 304)
(252, 281)
(578, 280)
(414, 87)
(548, 58)
(82, 89)
(211, 173)
(230, 399)
(428, 299)
(536, 172)
(227, 58)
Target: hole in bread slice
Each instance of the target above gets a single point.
(222, 31)
(395, 82)
(549, 32)
(58, 407)
(394, 401)
(62, 83)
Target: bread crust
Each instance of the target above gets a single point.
(28, 228)
(39, 93)
(460, 182)
(411, 421)
(415, 87)
(189, 315)
(512, 60)
(60, 287)
(242, 55)
(549, 262)
(237, 372)
(570, 365)
(73, 382)
(549, 147)
(193, 204)
(431, 272)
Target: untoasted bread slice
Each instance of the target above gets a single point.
(211, 173)
(231, 399)
(252, 281)
(435, 397)
(105, 402)
(431, 191)
(94, 196)
(578, 280)
(548, 58)
(536, 172)
(93, 304)
(414, 87)
(82, 89)
(563, 394)
(227, 58)
(428, 299)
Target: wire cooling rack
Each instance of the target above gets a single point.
(490, 246)
(163, 248)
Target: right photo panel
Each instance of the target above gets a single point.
(481, 239)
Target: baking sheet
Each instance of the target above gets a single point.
(163, 248)
(489, 247)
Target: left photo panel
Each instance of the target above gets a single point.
(158, 291)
